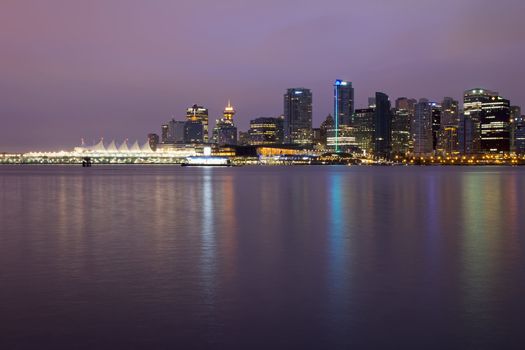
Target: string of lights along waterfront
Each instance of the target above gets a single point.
(485, 129)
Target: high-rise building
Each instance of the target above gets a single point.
(468, 133)
(383, 127)
(448, 142)
(515, 119)
(401, 121)
(421, 128)
(153, 141)
(298, 116)
(405, 108)
(519, 135)
(492, 112)
(364, 129)
(164, 133)
(343, 111)
(436, 124)
(225, 131)
(193, 132)
(197, 114)
(326, 125)
(175, 131)
(265, 131)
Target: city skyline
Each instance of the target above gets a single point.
(81, 72)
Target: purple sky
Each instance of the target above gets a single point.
(120, 68)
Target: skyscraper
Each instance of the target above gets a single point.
(298, 116)
(364, 129)
(383, 127)
(225, 131)
(265, 131)
(492, 113)
(197, 114)
(448, 142)
(436, 124)
(422, 128)
(343, 108)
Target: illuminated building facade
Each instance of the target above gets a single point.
(326, 125)
(515, 119)
(197, 114)
(343, 109)
(436, 124)
(164, 133)
(265, 131)
(421, 128)
(298, 116)
(492, 113)
(175, 131)
(383, 127)
(401, 120)
(225, 131)
(364, 120)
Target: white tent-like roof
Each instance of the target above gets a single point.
(145, 147)
(99, 147)
(135, 147)
(124, 147)
(112, 147)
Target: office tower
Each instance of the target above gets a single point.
(448, 142)
(343, 102)
(197, 114)
(225, 131)
(364, 129)
(491, 113)
(401, 121)
(298, 116)
(164, 133)
(515, 118)
(436, 124)
(326, 125)
(175, 131)
(450, 111)
(371, 102)
(519, 135)
(383, 127)
(244, 138)
(343, 109)
(468, 134)
(407, 104)
(421, 128)
(265, 131)
(403, 116)
(153, 141)
(342, 139)
(194, 132)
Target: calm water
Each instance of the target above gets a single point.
(262, 257)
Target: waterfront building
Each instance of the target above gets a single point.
(342, 139)
(164, 133)
(383, 126)
(298, 116)
(244, 138)
(515, 118)
(436, 124)
(326, 125)
(519, 135)
(468, 134)
(153, 141)
(175, 131)
(265, 131)
(225, 131)
(343, 102)
(448, 139)
(364, 128)
(421, 128)
(401, 120)
(197, 114)
(194, 132)
(491, 113)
